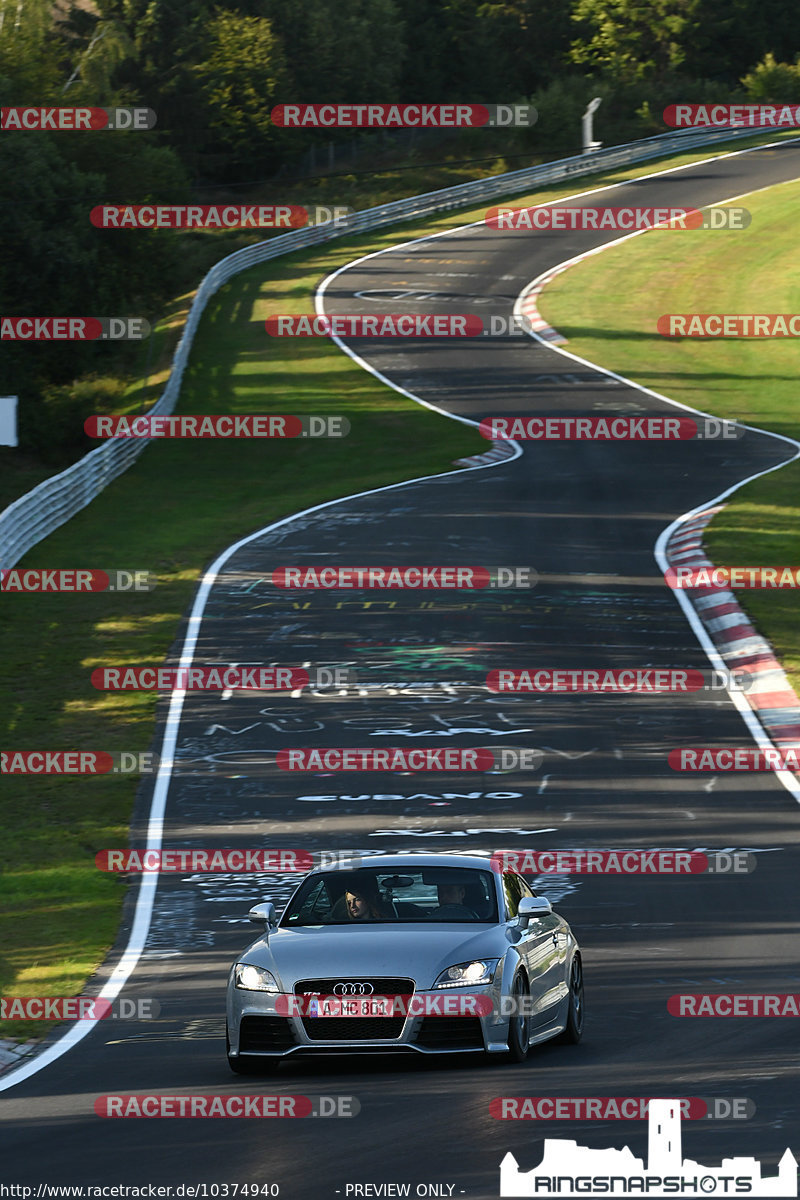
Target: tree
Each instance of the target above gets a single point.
(353, 53)
(239, 79)
(168, 38)
(634, 39)
(29, 60)
(731, 35)
(108, 46)
(631, 40)
(774, 82)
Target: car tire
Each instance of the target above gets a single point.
(247, 1064)
(519, 1036)
(576, 1013)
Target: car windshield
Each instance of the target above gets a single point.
(391, 897)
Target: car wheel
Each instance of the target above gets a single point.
(519, 1023)
(575, 1017)
(247, 1064)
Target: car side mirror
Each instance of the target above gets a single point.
(263, 914)
(531, 907)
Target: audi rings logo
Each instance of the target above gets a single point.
(353, 989)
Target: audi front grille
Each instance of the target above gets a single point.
(345, 1029)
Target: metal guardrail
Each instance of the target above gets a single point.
(46, 507)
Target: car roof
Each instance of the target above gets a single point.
(381, 862)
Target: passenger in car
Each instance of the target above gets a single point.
(360, 901)
(364, 904)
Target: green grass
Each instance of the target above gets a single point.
(753, 381)
(172, 513)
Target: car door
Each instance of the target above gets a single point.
(542, 945)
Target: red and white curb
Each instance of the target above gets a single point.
(530, 309)
(498, 452)
(738, 643)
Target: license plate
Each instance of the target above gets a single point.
(356, 1006)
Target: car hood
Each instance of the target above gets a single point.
(420, 952)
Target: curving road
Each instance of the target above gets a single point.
(586, 516)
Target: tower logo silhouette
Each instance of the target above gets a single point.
(568, 1169)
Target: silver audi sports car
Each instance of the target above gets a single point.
(413, 953)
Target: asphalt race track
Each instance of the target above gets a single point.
(586, 516)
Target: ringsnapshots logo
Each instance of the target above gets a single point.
(625, 680)
(557, 218)
(403, 116)
(73, 117)
(570, 1170)
(608, 429)
(217, 426)
(73, 329)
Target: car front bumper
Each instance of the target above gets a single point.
(258, 1026)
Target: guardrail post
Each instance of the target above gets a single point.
(586, 123)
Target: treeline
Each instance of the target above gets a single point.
(213, 71)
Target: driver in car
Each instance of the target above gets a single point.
(451, 901)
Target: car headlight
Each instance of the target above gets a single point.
(480, 970)
(254, 979)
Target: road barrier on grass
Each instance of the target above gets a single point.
(39, 512)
